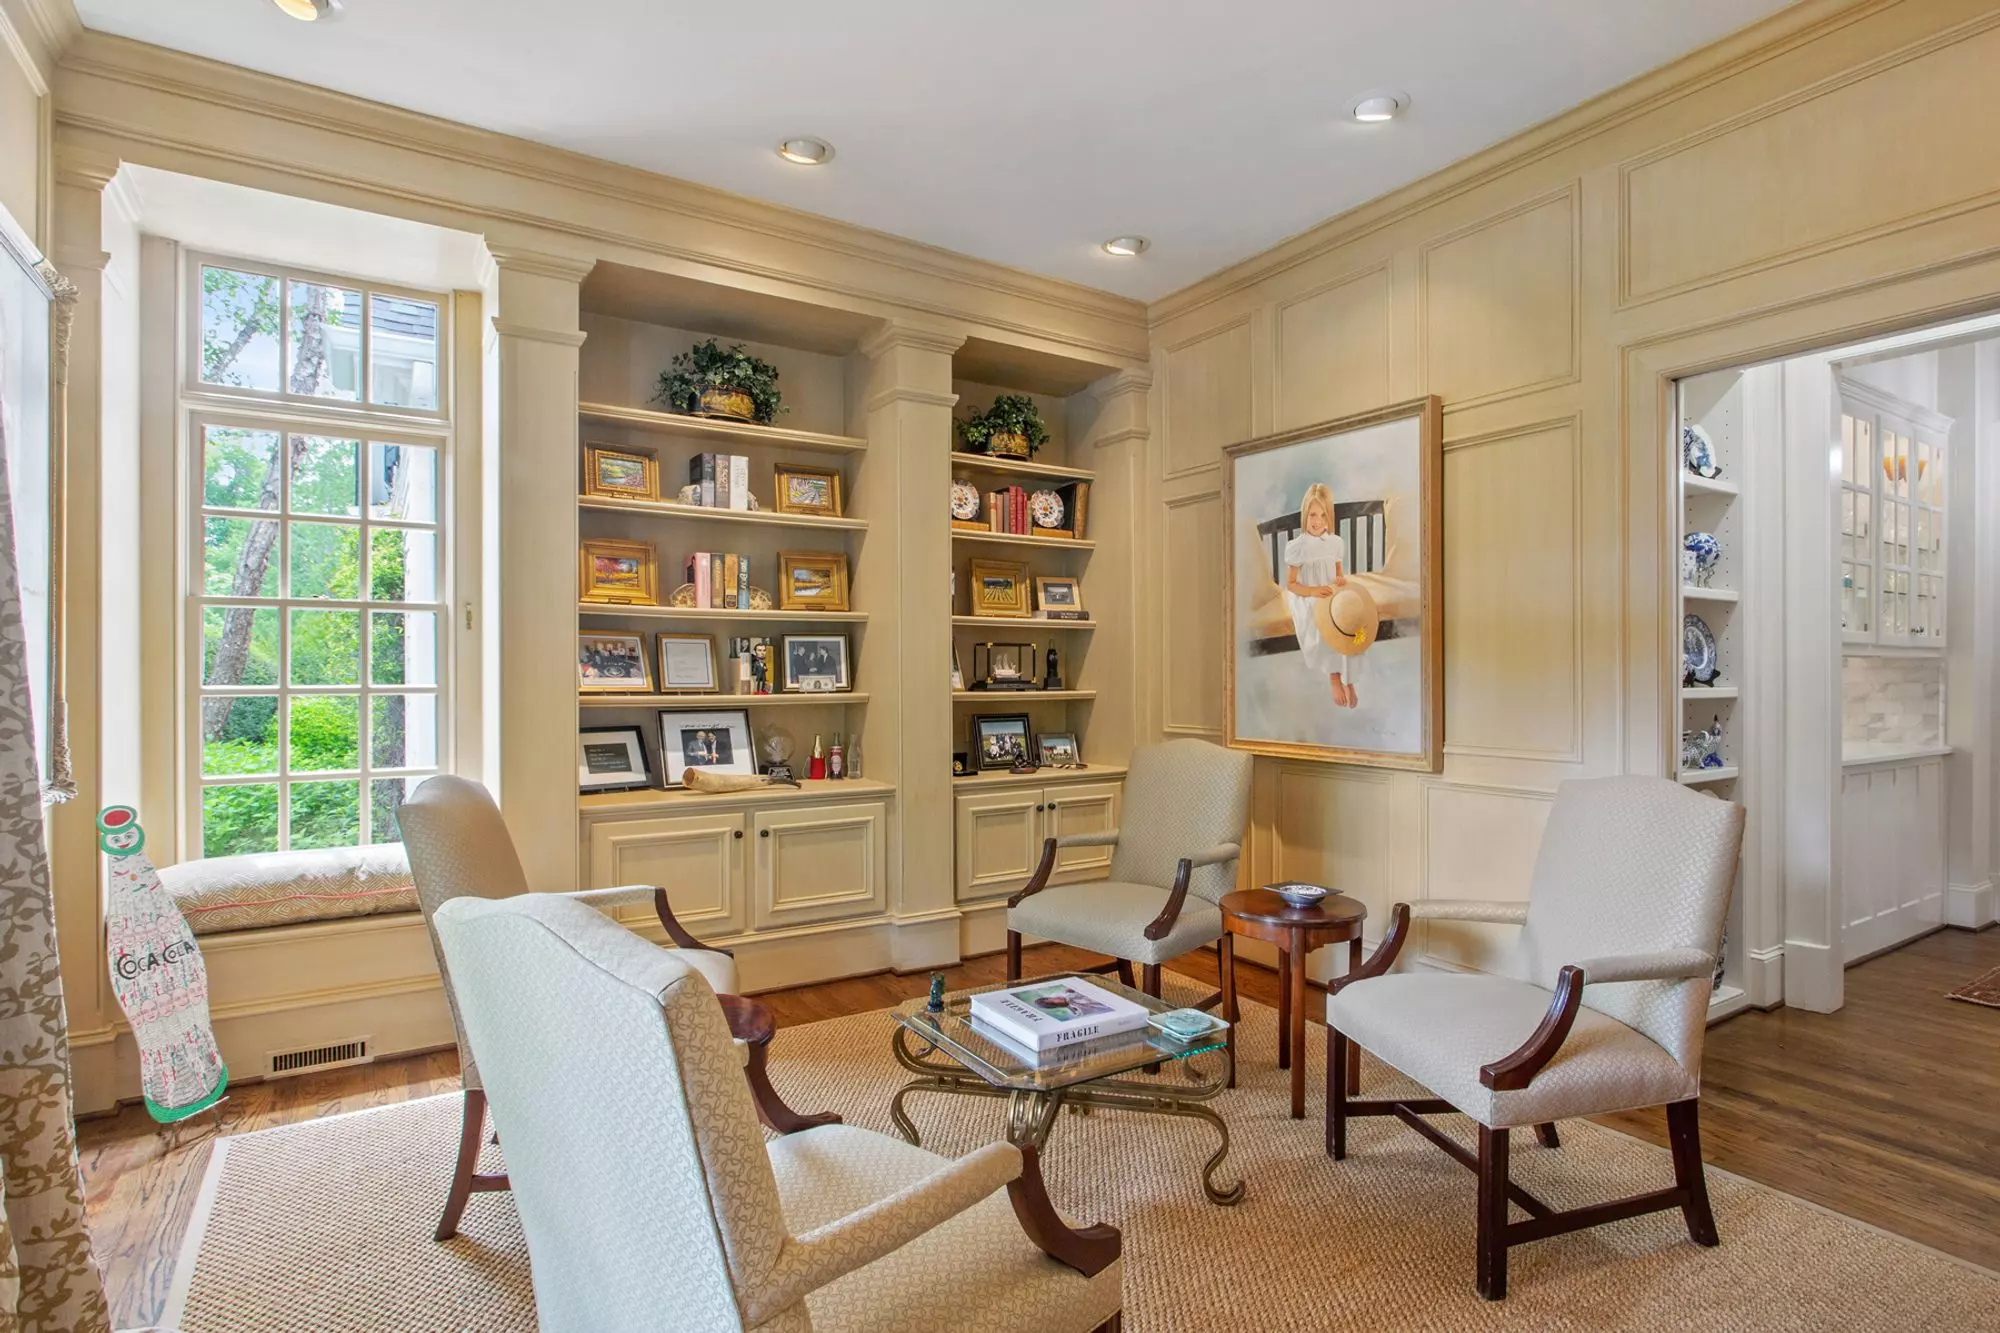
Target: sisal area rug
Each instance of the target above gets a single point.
(1982, 989)
(326, 1225)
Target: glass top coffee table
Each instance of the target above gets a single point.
(1144, 1071)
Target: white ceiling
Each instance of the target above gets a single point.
(1024, 133)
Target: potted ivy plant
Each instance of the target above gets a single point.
(712, 381)
(1011, 428)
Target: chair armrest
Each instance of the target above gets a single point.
(1461, 909)
(1220, 854)
(638, 895)
(1385, 953)
(1518, 1070)
(1102, 838)
(1664, 965)
(809, 1262)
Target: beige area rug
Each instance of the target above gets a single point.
(1982, 989)
(325, 1226)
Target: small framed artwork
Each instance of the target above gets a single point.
(999, 588)
(806, 490)
(1058, 749)
(612, 664)
(611, 759)
(618, 571)
(1000, 740)
(1059, 597)
(620, 474)
(717, 740)
(814, 663)
(812, 581)
(687, 663)
(957, 676)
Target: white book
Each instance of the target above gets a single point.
(1049, 1014)
(739, 481)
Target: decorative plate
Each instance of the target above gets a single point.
(964, 501)
(1046, 507)
(1299, 895)
(1698, 452)
(1698, 662)
(1699, 553)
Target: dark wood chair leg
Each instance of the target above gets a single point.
(1492, 1213)
(1225, 950)
(1684, 1133)
(1125, 973)
(1149, 974)
(1336, 1093)
(1546, 1135)
(1013, 955)
(1284, 1010)
(465, 1180)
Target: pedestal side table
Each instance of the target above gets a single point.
(1260, 914)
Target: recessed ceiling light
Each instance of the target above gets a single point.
(1126, 246)
(308, 11)
(806, 151)
(1374, 108)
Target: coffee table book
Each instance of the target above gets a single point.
(1045, 1015)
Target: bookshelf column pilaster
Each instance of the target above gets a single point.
(1117, 437)
(529, 598)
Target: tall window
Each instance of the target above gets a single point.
(317, 595)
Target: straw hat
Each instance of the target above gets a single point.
(1348, 620)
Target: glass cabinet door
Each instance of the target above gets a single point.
(1857, 528)
(1893, 499)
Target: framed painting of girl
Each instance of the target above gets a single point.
(1335, 608)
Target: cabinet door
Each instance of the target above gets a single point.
(999, 840)
(698, 859)
(820, 862)
(1084, 807)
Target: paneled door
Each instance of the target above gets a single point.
(999, 840)
(819, 863)
(1892, 855)
(1088, 807)
(697, 857)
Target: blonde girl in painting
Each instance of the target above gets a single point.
(1313, 571)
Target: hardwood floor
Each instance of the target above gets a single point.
(1884, 1111)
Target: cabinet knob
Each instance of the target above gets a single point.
(763, 833)
(739, 833)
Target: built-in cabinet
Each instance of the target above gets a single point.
(1892, 853)
(1894, 494)
(998, 833)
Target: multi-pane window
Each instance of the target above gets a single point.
(317, 607)
(1892, 516)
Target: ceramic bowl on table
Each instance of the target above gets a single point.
(1299, 895)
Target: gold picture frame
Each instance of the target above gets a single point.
(613, 662)
(812, 581)
(618, 572)
(1059, 597)
(999, 589)
(620, 474)
(807, 490)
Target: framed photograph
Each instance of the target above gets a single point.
(717, 740)
(1058, 749)
(814, 663)
(620, 474)
(618, 571)
(687, 662)
(999, 588)
(611, 759)
(1000, 740)
(1332, 578)
(1059, 597)
(957, 676)
(613, 663)
(806, 490)
(812, 580)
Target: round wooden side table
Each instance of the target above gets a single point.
(1260, 914)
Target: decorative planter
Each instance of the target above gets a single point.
(731, 403)
(1007, 444)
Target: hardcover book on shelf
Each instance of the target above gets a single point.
(739, 481)
(1050, 1014)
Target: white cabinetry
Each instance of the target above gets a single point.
(1892, 853)
(1894, 492)
(1000, 832)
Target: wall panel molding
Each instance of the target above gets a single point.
(1345, 326)
(1206, 380)
(1500, 303)
(1192, 636)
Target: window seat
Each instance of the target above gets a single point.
(232, 893)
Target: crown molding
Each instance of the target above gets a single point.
(898, 334)
(38, 32)
(1136, 379)
(85, 168)
(1800, 24)
(559, 337)
(897, 393)
(517, 259)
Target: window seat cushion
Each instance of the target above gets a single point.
(227, 893)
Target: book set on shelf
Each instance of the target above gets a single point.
(1051, 512)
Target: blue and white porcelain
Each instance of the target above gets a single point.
(1299, 895)
(1698, 452)
(1698, 656)
(1702, 749)
(1699, 553)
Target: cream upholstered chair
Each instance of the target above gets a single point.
(459, 847)
(1601, 1006)
(1172, 860)
(648, 1195)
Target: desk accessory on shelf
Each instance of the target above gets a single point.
(1007, 666)
(1052, 679)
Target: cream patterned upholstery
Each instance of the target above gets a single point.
(262, 889)
(1107, 916)
(1632, 881)
(645, 1190)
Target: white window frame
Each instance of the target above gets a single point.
(202, 405)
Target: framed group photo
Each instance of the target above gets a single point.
(814, 663)
(1000, 741)
(613, 662)
(717, 740)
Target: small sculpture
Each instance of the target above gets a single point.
(936, 1004)
(1053, 679)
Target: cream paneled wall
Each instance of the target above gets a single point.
(1810, 178)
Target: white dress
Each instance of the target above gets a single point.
(1317, 560)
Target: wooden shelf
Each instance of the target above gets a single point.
(1697, 485)
(981, 696)
(1696, 693)
(712, 428)
(1014, 467)
(703, 613)
(698, 701)
(1040, 777)
(1690, 593)
(1015, 622)
(625, 803)
(1697, 777)
(711, 514)
(1020, 539)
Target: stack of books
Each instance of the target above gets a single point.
(721, 582)
(1049, 1015)
(724, 480)
(1009, 511)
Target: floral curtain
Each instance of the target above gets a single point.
(49, 1281)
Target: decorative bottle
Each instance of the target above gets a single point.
(817, 768)
(836, 761)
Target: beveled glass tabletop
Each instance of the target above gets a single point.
(1005, 1065)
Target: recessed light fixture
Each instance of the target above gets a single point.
(1127, 246)
(1374, 108)
(806, 151)
(308, 11)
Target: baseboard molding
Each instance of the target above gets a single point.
(1812, 975)
(1971, 906)
(1764, 976)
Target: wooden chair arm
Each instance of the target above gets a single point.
(679, 934)
(1517, 1071)
(1040, 879)
(1385, 953)
(1171, 913)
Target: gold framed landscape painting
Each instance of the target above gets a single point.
(609, 570)
(1333, 584)
(806, 490)
(812, 581)
(620, 474)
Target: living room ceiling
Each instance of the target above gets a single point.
(1026, 134)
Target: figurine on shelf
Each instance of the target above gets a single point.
(1702, 749)
(1053, 679)
(1700, 552)
(936, 1004)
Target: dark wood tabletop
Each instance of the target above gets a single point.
(1265, 905)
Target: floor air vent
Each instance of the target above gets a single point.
(353, 1052)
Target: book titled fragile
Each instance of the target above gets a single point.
(1049, 1014)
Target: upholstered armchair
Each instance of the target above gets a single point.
(1600, 1007)
(1173, 858)
(459, 847)
(647, 1193)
